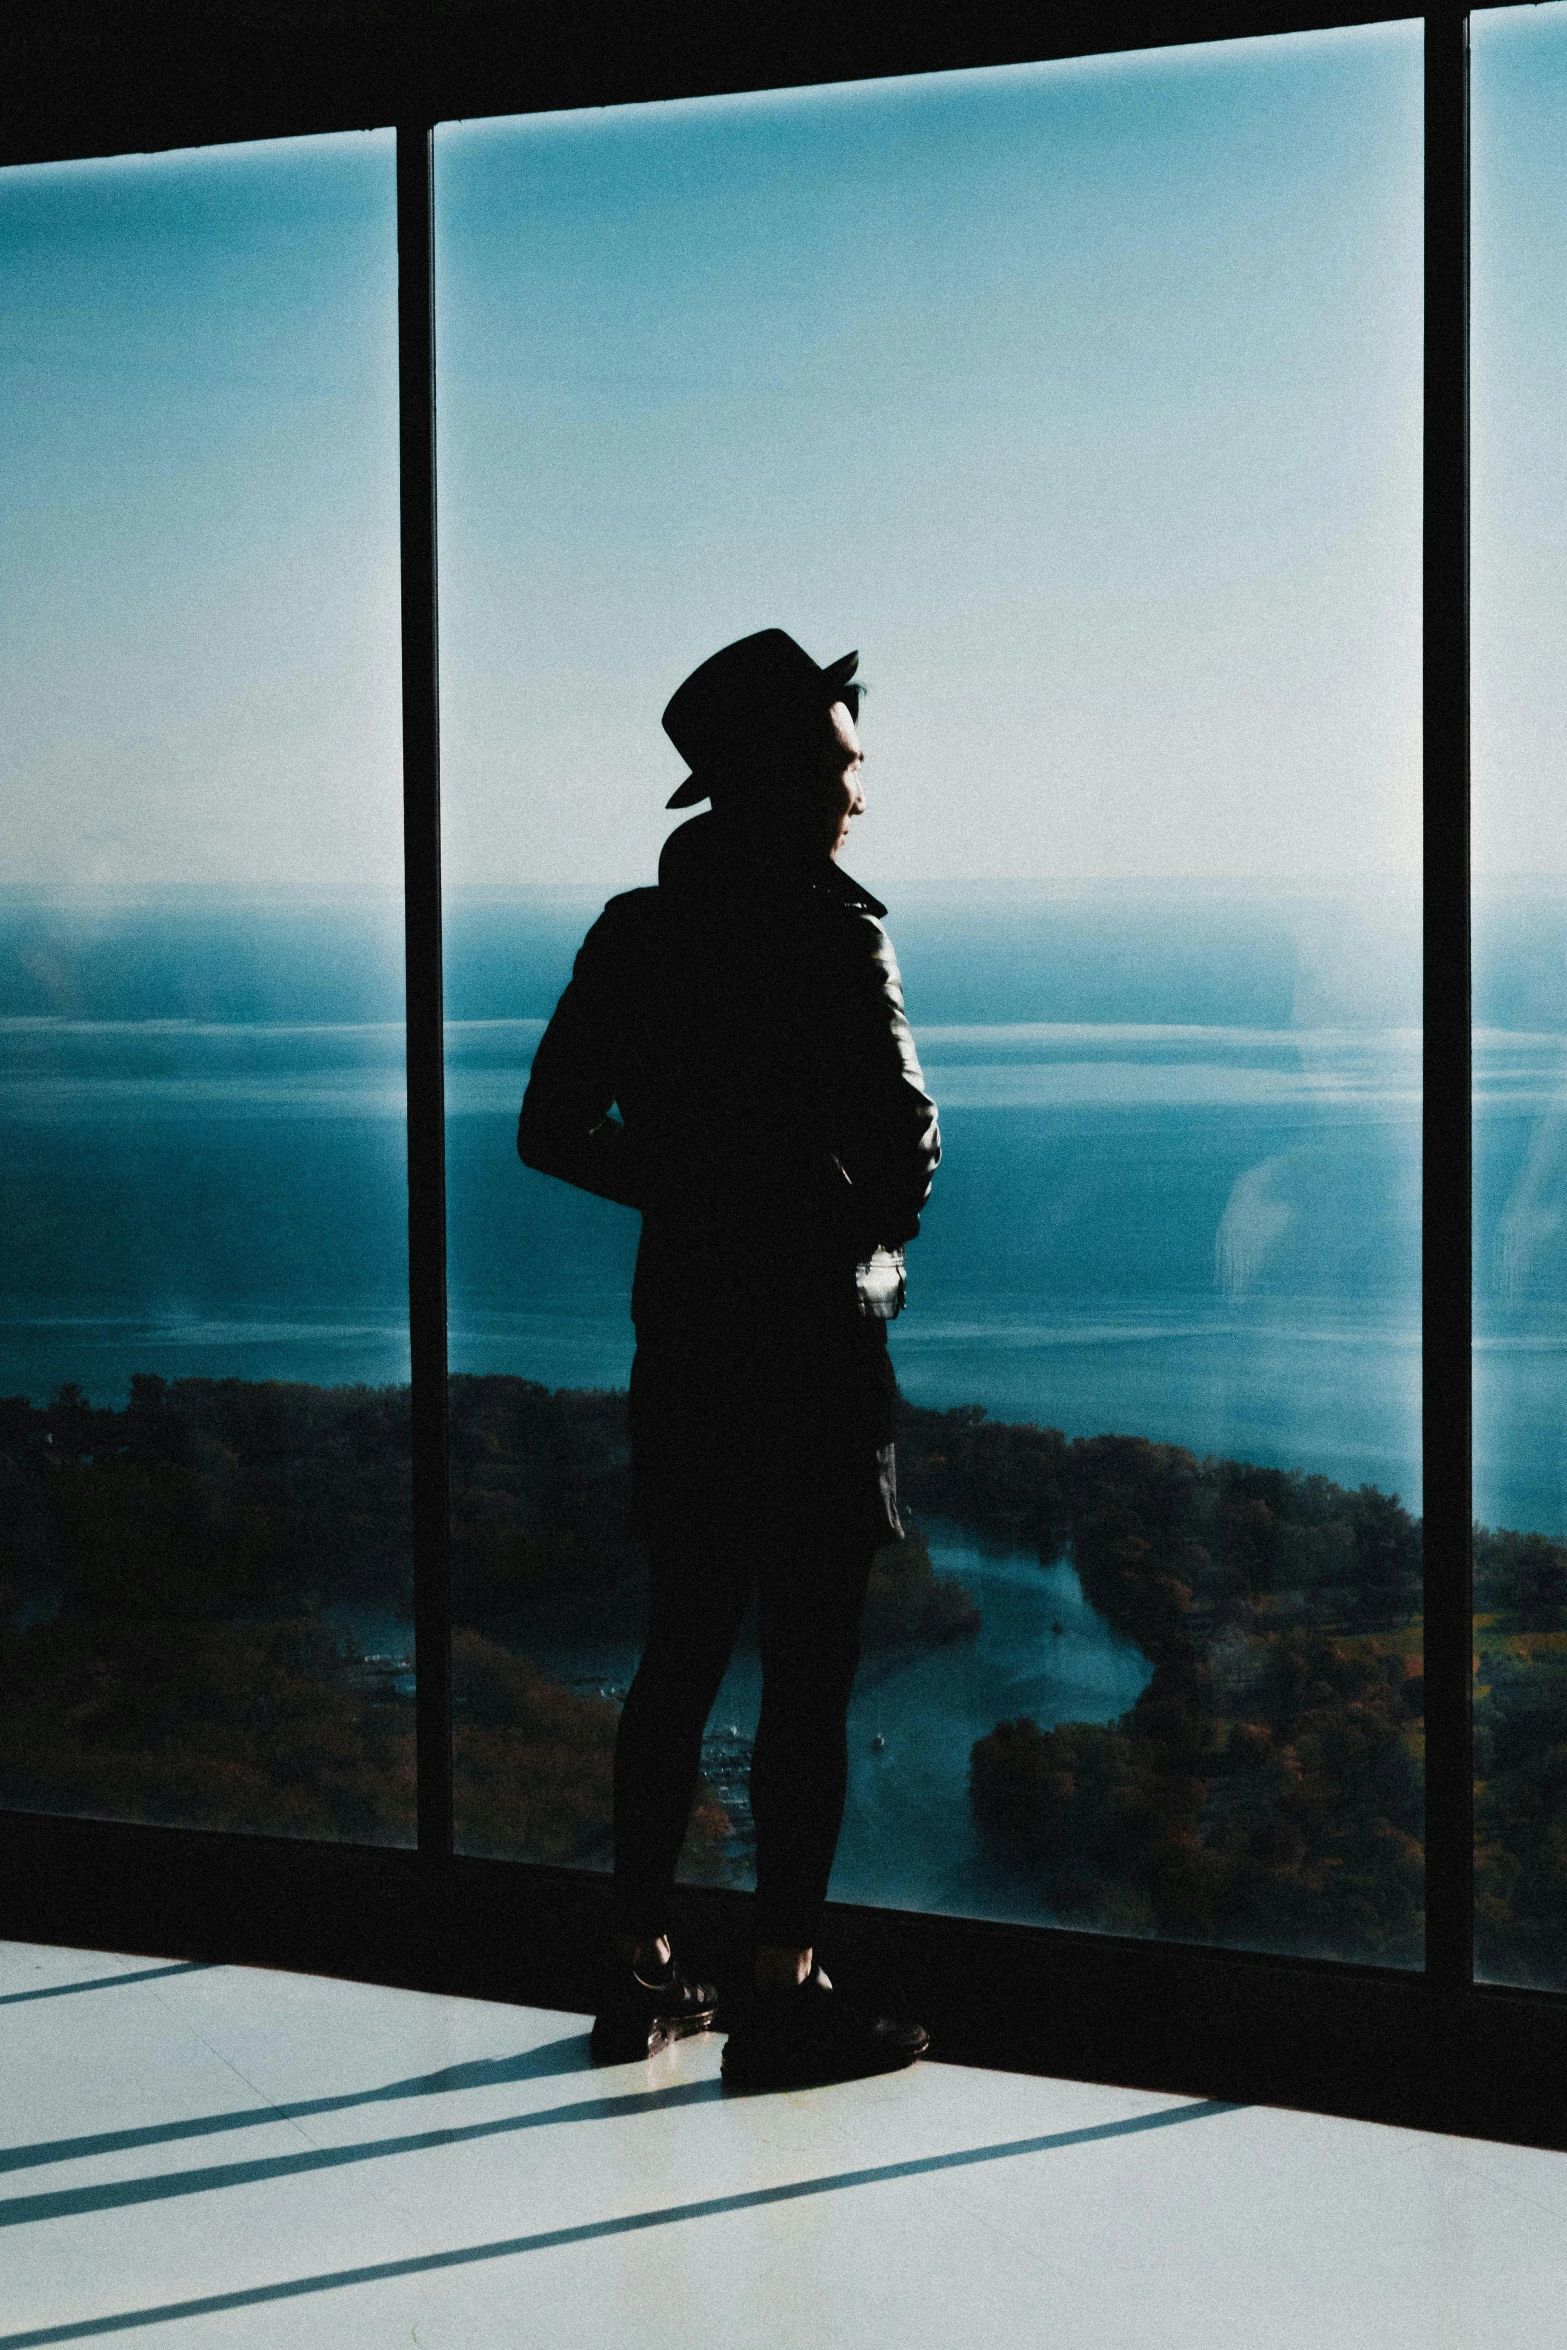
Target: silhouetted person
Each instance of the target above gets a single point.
(746, 1018)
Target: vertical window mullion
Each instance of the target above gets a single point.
(422, 916)
(1447, 1247)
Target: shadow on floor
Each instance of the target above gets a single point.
(534, 2064)
(758, 2198)
(146, 1974)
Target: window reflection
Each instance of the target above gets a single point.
(204, 1563)
(1085, 401)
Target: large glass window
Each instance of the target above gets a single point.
(1085, 401)
(1520, 985)
(204, 1557)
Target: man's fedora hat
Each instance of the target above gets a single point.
(761, 686)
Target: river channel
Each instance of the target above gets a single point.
(908, 1837)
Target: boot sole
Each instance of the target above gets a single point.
(758, 2073)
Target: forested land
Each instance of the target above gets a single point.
(1266, 1788)
(164, 1569)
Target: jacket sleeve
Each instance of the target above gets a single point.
(565, 1128)
(891, 1140)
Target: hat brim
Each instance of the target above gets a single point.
(833, 675)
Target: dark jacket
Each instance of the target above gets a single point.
(746, 1017)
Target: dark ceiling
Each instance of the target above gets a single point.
(96, 77)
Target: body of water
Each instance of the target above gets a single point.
(1203, 1229)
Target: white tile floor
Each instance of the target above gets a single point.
(205, 2156)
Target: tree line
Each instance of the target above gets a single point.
(1266, 1788)
(166, 1568)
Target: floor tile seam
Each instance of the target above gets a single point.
(762, 2179)
(279, 2116)
(1449, 2155)
(963, 2086)
(767, 2165)
(369, 2224)
(467, 2105)
(1059, 2271)
(344, 2177)
(1510, 2193)
(979, 2189)
(1402, 2238)
(978, 2193)
(111, 1959)
(973, 2113)
(1387, 2152)
(378, 2196)
(242, 2122)
(766, 2172)
(1428, 2269)
(255, 2088)
(442, 2243)
(1366, 2144)
(272, 2120)
(45, 1982)
(1070, 2276)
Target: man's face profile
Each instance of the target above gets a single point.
(841, 798)
(809, 782)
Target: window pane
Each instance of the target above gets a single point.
(1084, 400)
(1520, 981)
(203, 1325)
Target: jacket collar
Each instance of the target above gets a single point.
(708, 856)
(852, 892)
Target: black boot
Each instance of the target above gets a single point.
(638, 2018)
(803, 2038)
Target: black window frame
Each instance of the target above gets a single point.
(1436, 2048)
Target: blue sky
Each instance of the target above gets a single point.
(198, 611)
(1518, 357)
(1084, 399)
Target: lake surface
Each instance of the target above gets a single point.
(1198, 1228)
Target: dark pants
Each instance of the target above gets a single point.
(811, 1587)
